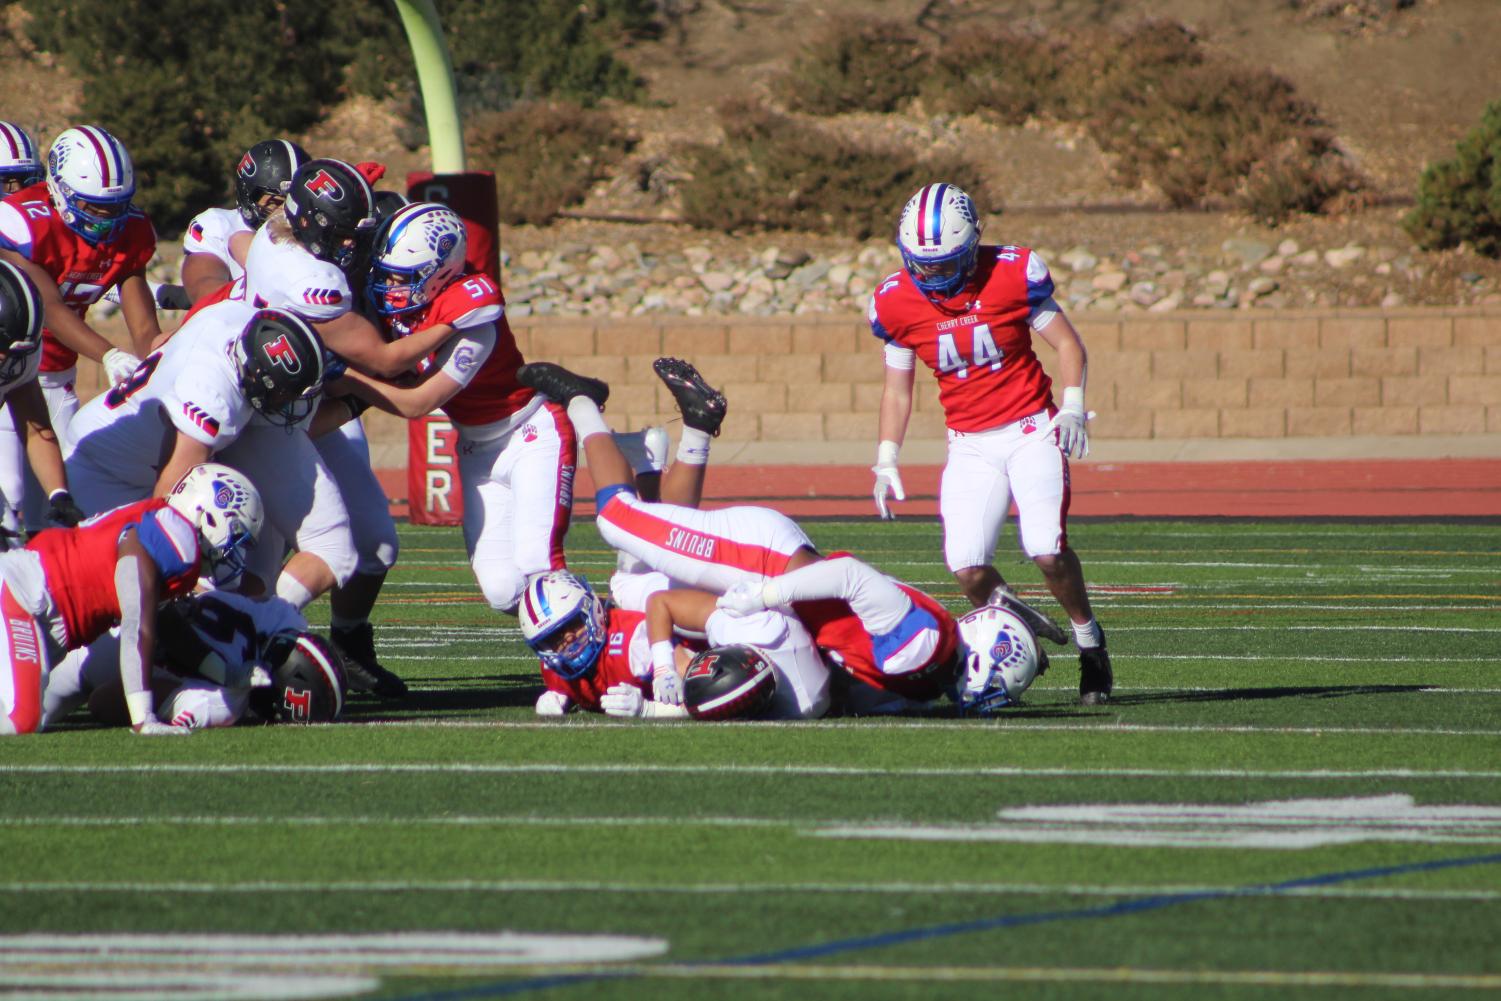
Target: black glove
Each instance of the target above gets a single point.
(173, 297)
(61, 511)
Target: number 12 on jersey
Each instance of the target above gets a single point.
(982, 345)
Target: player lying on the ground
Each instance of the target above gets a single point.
(221, 658)
(886, 634)
(70, 585)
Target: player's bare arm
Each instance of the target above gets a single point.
(29, 409)
(65, 324)
(205, 274)
(427, 393)
(355, 339)
(139, 307)
(186, 453)
(1073, 359)
(137, 587)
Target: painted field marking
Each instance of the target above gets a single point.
(711, 889)
(642, 768)
(1012, 727)
(1274, 824)
(181, 965)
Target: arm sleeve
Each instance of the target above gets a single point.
(899, 357)
(871, 595)
(14, 233)
(463, 354)
(170, 541)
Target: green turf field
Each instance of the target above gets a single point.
(1296, 790)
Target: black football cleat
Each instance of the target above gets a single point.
(1040, 624)
(560, 385)
(1095, 677)
(702, 405)
(361, 670)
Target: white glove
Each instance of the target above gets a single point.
(153, 727)
(888, 480)
(746, 598)
(666, 686)
(552, 704)
(119, 365)
(623, 699)
(1070, 423)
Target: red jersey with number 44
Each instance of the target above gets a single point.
(979, 343)
(613, 667)
(493, 393)
(83, 271)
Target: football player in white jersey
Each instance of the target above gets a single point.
(220, 656)
(20, 359)
(242, 386)
(301, 260)
(262, 179)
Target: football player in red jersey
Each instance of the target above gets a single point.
(894, 637)
(517, 451)
(70, 585)
(970, 312)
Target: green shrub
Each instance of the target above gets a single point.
(1460, 199)
(774, 171)
(545, 155)
(1005, 75)
(865, 66)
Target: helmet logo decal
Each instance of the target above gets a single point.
(281, 354)
(224, 494)
(247, 166)
(702, 667)
(323, 183)
(298, 703)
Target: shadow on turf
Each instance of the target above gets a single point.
(498, 695)
(1252, 694)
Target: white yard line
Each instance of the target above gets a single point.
(709, 889)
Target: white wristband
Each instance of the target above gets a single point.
(142, 707)
(886, 451)
(661, 656)
(1073, 398)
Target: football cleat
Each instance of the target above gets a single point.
(702, 405)
(1040, 624)
(560, 385)
(361, 670)
(1095, 677)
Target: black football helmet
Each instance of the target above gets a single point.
(387, 203)
(332, 212)
(281, 362)
(307, 680)
(265, 169)
(20, 321)
(729, 682)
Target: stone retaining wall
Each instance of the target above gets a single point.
(1189, 374)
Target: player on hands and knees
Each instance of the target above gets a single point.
(971, 312)
(70, 585)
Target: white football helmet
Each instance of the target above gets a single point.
(1001, 659)
(19, 162)
(563, 620)
(939, 237)
(418, 251)
(226, 509)
(92, 181)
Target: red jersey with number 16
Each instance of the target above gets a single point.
(614, 665)
(83, 271)
(978, 343)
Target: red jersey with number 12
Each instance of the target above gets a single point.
(979, 343)
(83, 271)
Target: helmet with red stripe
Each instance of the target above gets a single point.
(307, 680)
(281, 365)
(92, 181)
(729, 682)
(19, 164)
(331, 209)
(563, 620)
(939, 237)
